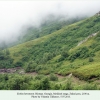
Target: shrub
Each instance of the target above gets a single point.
(53, 77)
(45, 84)
(39, 77)
(90, 87)
(68, 85)
(31, 66)
(25, 58)
(91, 59)
(37, 85)
(55, 86)
(18, 64)
(60, 59)
(64, 54)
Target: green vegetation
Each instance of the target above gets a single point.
(48, 27)
(5, 60)
(55, 54)
(24, 82)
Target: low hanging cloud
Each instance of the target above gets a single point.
(16, 14)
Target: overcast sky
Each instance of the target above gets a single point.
(15, 14)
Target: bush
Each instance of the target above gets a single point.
(64, 54)
(37, 85)
(68, 85)
(53, 77)
(81, 53)
(61, 59)
(39, 77)
(55, 86)
(31, 66)
(17, 82)
(18, 64)
(25, 58)
(7, 52)
(91, 59)
(90, 87)
(45, 84)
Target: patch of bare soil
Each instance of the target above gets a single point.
(9, 70)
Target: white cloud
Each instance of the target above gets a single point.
(15, 14)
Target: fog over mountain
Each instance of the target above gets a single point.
(14, 15)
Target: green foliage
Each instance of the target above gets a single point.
(7, 52)
(81, 53)
(25, 58)
(40, 82)
(14, 82)
(47, 57)
(45, 84)
(19, 64)
(54, 53)
(43, 50)
(18, 83)
(36, 86)
(39, 77)
(47, 27)
(90, 87)
(65, 54)
(56, 86)
(68, 85)
(5, 60)
(31, 66)
(53, 77)
(91, 59)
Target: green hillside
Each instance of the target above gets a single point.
(47, 27)
(71, 52)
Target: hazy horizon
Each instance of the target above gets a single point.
(16, 14)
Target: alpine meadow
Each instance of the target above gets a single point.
(60, 54)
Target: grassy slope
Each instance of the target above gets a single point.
(65, 39)
(46, 28)
(90, 69)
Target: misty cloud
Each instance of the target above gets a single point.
(16, 14)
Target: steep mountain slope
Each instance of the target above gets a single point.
(58, 52)
(67, 59)
(47, 27)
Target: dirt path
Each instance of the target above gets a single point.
(62, 79)
(92, 35)
(9, 70)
